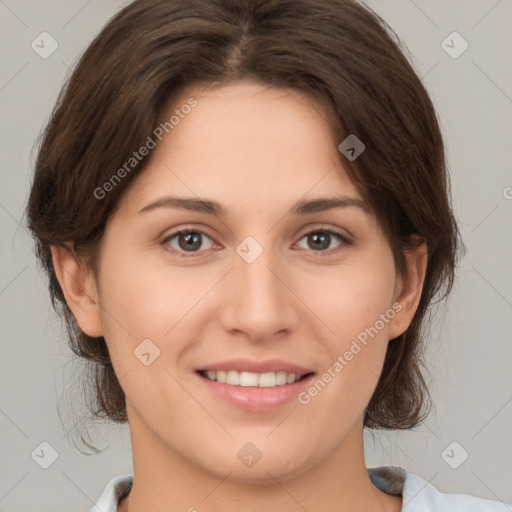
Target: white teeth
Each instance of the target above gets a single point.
(290, 378)
(281, 378)
(267, 380)
(262, 380)
(233, 378)
(248, 379)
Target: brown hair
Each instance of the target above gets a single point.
(338, 52)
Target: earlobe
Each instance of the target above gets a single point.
(409, 289)
(79, 288)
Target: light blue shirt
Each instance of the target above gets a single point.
(417, 494)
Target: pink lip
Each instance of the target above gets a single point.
(246, 365)
(252, 398)
(256, 399)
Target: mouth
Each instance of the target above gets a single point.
(253, 379)
(255, 387)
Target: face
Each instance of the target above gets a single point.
(290, 300)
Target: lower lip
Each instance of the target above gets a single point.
(257, 399)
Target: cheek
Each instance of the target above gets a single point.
(147, 299)
(358, 308)
(144, 312)
(357, 295)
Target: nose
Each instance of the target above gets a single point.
(259, 301)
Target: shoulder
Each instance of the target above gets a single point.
(418, 495)
(421, 496)
(114, 491)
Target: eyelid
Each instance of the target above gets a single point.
(182, 230)
(326, 228)
(346, 239)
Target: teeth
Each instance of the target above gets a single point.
(233, 378)
(262, 380)
(248, 379)
(280, 378)
(267, 380)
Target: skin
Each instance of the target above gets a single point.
(257, 151)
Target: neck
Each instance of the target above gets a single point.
(164, 479)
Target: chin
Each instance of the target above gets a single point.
(265, 466)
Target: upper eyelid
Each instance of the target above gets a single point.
(346, 238)
(302, 232)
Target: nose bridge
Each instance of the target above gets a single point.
(254, 275)
(259, 302)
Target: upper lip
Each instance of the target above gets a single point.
(247, 365)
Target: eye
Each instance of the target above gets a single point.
(320, 240)
(191, 241)
(187, 240)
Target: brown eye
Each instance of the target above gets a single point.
(321, 240)
(186, 241)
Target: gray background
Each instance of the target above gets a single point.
(470, 349)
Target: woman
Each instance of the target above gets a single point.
(243, 211)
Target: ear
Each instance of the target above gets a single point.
(79, 288)
(408, 290)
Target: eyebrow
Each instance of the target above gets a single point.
(213, 208)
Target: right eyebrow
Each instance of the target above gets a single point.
(210, 207)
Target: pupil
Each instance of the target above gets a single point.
(317, 237)
(191, 241)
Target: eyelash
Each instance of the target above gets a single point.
(182, 254)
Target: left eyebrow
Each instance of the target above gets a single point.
(213, 208)
(324, 204)
(182, 203)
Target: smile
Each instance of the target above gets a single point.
(252, 379)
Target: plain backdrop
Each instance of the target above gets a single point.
(469, 348)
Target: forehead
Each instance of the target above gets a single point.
(247, 112)
(244, 141)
